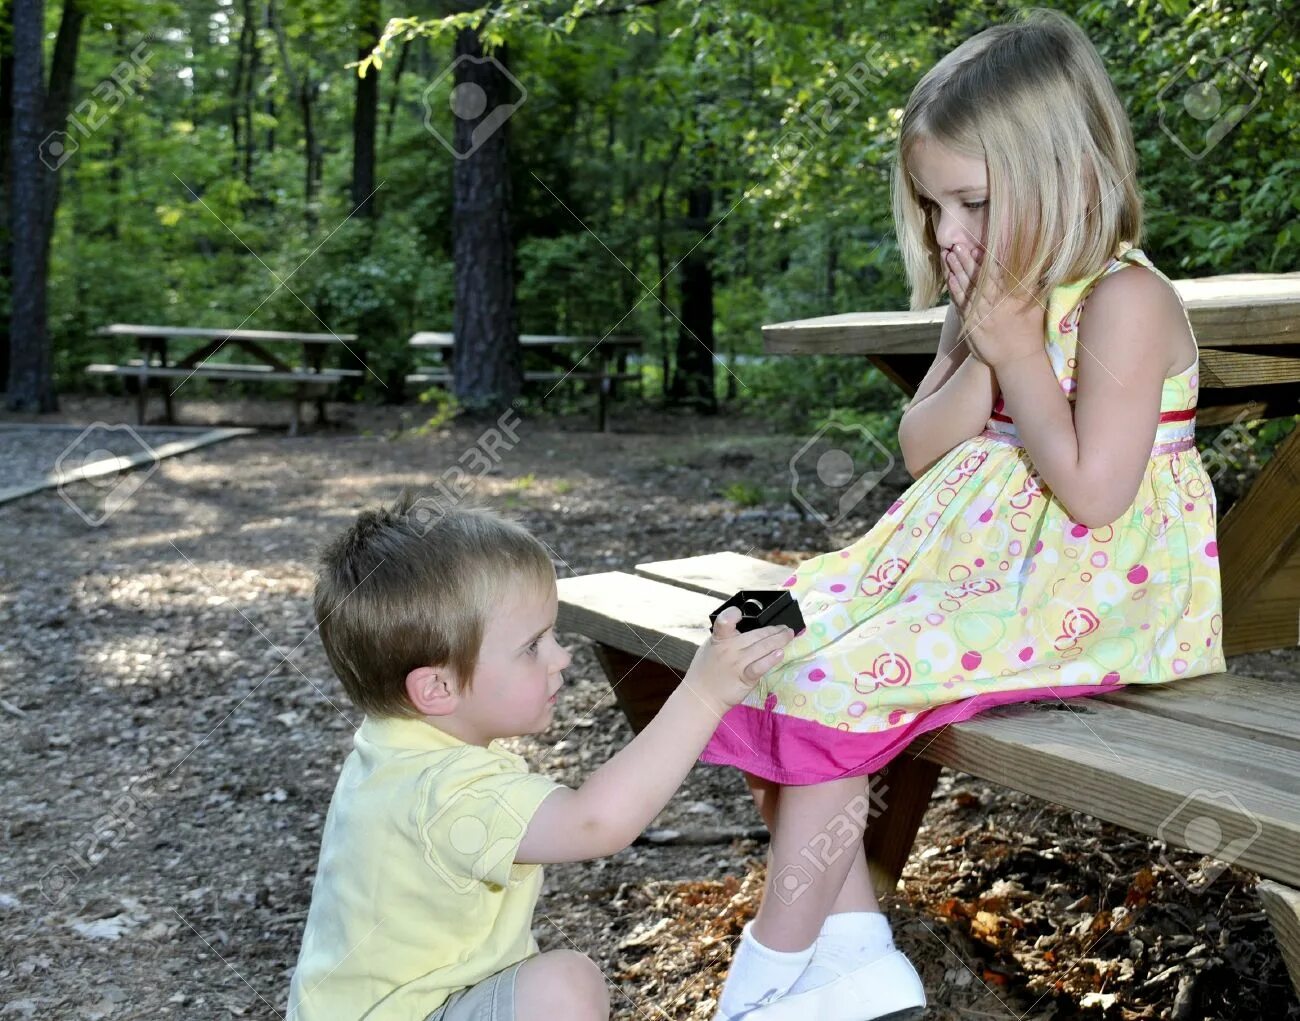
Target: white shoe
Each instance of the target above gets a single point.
(749, 1011)
(886, 989)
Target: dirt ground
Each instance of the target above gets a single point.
(173, 733)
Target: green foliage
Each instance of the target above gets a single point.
(789, 111)
(745, 494)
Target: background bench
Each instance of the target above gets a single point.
(601, 363)
(310, 378)
(1172, 762)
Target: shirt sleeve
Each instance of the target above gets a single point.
(472, 815)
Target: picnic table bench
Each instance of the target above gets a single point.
(601, 363)
(1208, 763)
(310, 377)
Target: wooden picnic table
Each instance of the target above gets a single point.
(310, 376)
(1248, 329)
(600, 362)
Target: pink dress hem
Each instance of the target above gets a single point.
(755, 739)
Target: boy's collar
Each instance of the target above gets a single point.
(407, 732)
(417, 734)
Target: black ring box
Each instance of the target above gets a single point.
(777, 607)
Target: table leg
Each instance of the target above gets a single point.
(313, 356)
(1282, 905)
(297, 404)
(142, 395)
(904, 787)
(620, 367)
(168, 410)
(1259, 558)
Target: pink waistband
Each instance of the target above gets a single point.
(1171, 447)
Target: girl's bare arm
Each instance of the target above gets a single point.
(951, 405)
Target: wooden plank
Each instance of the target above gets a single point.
(135, 363)
(637, 615)
(1250, 707)
(717, 574)
(203, 333)
(1259, 538)
(429, 338)
(443, 376)
(1272, 622)
(1158, 777)
(1225, 312)
(1152, 775)
(1234, 369)
(1282, 905)
(227, 372)
(112, 465)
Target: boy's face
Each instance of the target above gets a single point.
(518, 674)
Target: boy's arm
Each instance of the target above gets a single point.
(624, 795)
(951, 405)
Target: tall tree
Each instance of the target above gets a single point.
(365, 113)
(39, 118)
(487, 367)
(6, 178)
(31, 383)
(693, 379)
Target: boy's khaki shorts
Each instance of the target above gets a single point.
(493, 999)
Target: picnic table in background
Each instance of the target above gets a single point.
(599, 362)
(1248, 329)
(310, 377)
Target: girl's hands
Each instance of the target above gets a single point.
(1007, 324)
(729, 664)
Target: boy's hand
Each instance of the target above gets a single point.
(729, 664)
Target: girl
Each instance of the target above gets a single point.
(1059, 539)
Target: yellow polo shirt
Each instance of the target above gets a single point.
(416, 892)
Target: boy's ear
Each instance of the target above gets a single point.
(432, 691)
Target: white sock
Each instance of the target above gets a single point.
(758, 971)
(847, 941)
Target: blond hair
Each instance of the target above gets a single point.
(409, 586)
(1032, 99)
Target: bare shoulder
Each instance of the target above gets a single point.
(1139, 304)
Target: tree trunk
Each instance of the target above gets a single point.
(31, 381)
(304, 91)
(58, 102)
(6, 178)
(487, 365)
(693, 378)
(365, 114)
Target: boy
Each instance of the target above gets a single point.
(422, 907)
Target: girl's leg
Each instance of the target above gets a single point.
(857, 893)
(816, 843)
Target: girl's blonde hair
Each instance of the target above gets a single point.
(1032, 99)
